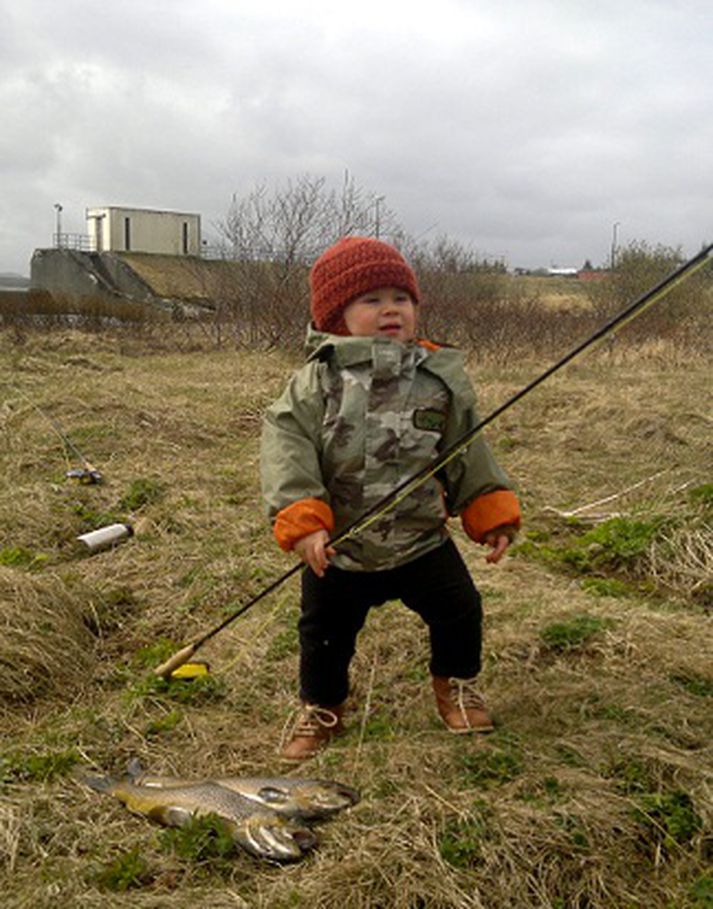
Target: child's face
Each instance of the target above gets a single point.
(386, 311)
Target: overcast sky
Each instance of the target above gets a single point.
(524, 128)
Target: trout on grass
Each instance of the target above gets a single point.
(307, 799)
(259, 830)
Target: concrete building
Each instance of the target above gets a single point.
(117, 229)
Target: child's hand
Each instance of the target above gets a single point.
(499, 539)
(314, 552)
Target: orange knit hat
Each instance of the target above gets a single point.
(350, 268)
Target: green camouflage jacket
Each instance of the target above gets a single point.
(360, 417)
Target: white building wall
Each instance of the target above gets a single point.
(115, 229)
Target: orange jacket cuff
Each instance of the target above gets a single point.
(301, 518)
(494, 509)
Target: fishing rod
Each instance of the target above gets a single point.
(408, 486)
(87, 473)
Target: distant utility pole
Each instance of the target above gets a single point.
(58, 233)
(615, 228)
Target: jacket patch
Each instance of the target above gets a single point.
(430, 420)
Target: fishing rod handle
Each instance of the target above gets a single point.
(178, 659)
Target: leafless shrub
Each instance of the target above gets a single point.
(680, 316)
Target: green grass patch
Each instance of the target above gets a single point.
(154, 654)
(694, 683)
(141, 492)
(574, 830)
(284, 644)
(606, 587)
(570, 757)
(92, 518)
(574, 633)
(379, 726)
(201, 690)
(615, 544)
(460, 841)
(20, 557)
(543, 793)
(128, 871)
(489, 767)
(205, 689)
(164, 724)
(701, 893)
(631, 776)
(670, 816)
(702, 495)
(201, 839)
(37, 768)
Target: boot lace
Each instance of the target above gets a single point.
(465, 695)
(309, 720)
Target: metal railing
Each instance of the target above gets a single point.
(80, 242)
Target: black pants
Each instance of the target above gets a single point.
(437, 586)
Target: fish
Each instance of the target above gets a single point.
(256, 828)
(302, 799)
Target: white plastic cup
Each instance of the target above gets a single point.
(106, 537)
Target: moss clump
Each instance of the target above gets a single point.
(573, 633)
(616, 544)
(670, 816)
(19, 557)
(201, 839)
(127, 871)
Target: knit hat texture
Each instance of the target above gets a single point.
(350, 268)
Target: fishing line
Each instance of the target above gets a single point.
(400, 492)
(88, 473)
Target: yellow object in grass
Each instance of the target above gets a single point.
(189, 671)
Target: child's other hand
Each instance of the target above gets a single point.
(498, 540)
(314, 552)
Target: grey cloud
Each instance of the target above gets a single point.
(525, 129)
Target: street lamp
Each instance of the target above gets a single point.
(377, 224)
(615, 228)
(58, 233)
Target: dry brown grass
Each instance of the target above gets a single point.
(556, 809)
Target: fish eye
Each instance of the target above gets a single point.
(272, 795)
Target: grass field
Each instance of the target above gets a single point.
(594, 792)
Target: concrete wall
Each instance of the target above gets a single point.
(113, 278)
(115, 229)
(80, 274)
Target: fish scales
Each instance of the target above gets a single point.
(309, 799)
(255, 827)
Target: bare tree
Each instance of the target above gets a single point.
(271, 237)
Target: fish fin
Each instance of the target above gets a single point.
(134, 768)
(98, 783)
(170, 815)
(349, 792)
(279, 842)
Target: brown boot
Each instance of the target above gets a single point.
(312, 730)
(461, 708)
